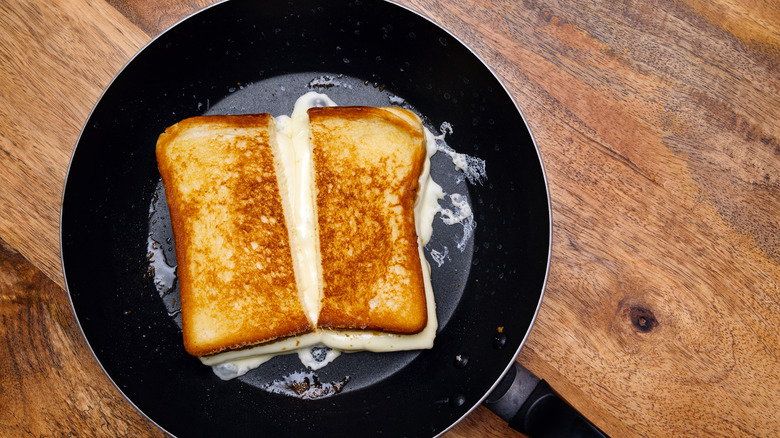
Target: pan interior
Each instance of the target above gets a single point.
(449, 252)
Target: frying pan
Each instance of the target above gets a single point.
(245, 56)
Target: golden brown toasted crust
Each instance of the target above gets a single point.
(235, 270)
(367, 162)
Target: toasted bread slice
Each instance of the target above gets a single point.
(367, 162)
(235, 269)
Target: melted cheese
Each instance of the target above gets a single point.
(293, 134)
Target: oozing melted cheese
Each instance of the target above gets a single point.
(293, 134)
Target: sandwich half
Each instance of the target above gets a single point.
(367, 162)
(236, 274)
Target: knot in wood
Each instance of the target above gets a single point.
(643, 319)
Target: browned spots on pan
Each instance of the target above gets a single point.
(306, 386)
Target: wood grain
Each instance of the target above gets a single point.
(153, 17)
(56, 60)
(658, 125)
(50, 383)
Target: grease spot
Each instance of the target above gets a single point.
(457, 400)
(499, 341)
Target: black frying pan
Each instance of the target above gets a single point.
(246, 56)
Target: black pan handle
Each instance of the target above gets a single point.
(530, 406)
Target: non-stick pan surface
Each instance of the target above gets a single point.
(246, 56)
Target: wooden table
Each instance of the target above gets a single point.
(658, 123)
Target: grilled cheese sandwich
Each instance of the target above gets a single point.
(334, 168)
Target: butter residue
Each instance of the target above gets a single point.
(473, 168)
(459, 210)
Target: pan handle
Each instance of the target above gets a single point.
(530, 406)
